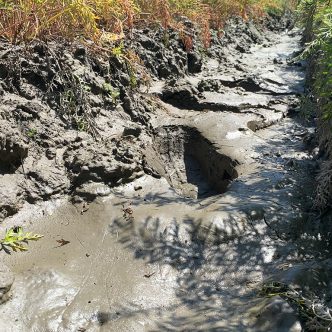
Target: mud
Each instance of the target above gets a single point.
(193, 167)
(187, 196)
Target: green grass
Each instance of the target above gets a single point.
(316, 17)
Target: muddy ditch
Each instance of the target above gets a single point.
(156, 217)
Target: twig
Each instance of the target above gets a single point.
(275, 231)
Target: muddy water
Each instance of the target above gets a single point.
(187, 252)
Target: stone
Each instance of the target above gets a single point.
(277, 315)
(6, 282)
(134, 131)
(195, 62)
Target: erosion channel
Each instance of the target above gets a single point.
(179, 214)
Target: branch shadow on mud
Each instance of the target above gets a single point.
(295, 170)
(217, 276)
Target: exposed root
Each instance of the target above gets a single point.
(74, 106)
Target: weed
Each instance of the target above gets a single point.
(15, 238)
(107, 20)
(31, 133)
(317, 20)
(307, 107)
(324, 186)
(133, 64)
(70, 92)
(112, 92)
(118, 51)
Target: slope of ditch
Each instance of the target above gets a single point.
(192, 165)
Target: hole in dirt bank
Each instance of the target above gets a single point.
(192, 164)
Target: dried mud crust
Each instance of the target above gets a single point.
(6, 281)
(60, 126)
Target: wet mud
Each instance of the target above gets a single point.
(193, 166)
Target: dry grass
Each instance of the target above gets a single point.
(314, 314)
(324, 186)
(107, 20)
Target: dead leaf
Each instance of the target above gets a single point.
(85, 207)
(149, 275)
(62, 243)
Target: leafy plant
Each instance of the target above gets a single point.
(15, 238)
(31, 133)
(317, 20)
(112, 92)
(118, 51)
(74, 106)
(80, 124)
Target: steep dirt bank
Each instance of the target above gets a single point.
(64, 110)
(206, 183)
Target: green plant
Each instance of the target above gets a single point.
(74, 106)
(307, 107)
(80, 124)
(31, 133)
(112, 92)
(118, 51)
(317, 20)
(132, 78)
(15, 238)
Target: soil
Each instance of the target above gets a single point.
(164, 203)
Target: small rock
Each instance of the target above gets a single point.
(6, 281)
(278, 61)
(91, 191)
(278, 315)
(50, 153)
(257, 213)
(135, 131)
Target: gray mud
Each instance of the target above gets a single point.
(195, 204)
